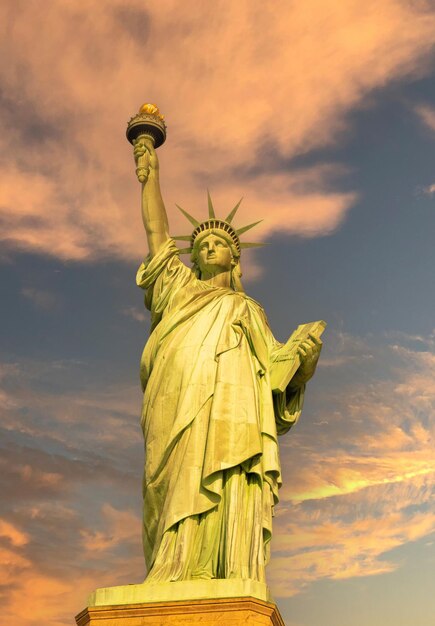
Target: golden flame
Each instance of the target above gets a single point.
(151, 109)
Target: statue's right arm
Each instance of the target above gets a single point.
(153, 209)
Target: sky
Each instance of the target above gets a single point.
(321, 114)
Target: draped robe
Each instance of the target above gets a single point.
(210, 424)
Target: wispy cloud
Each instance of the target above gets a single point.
(317, 544)
(42, 299)
(358, 474)
(14, 535)
(37, 407)
(430, 189)
(138, 315)
(363, 485)
(121, 527)
(427, 115)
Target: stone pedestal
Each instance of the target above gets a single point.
(198, 589)
(246, 611)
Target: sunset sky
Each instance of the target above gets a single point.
(321, 114)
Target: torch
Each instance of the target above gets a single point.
(147, 124)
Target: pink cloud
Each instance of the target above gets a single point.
(237, 98)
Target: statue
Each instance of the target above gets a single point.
(218, 389)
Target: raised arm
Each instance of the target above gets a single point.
(153, 210)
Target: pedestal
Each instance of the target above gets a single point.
(198, 589)
(217, 602)
(218, 612)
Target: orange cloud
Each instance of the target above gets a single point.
(14, 535)
(341, 476)
(385, 420)
(349, 538)
(364, 485)
(38, 598)
(29, 596)
(36, 590)
(121, 527)
(240, 100)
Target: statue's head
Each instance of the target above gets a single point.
(215, 245)
(215, 251)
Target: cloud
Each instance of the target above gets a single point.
(137, 314)
(39, 222)
(41, 298)
(97, 418)
(240, 100)
(59, 559)
(429, 190)
(351, 532)
(57, 580)
(330, 548)
(59, 537)
(18, 575)
(64, 457)
(426, 115)
(362, 478)
(49, 599)
(15, 536)
(358, 476)
(122, 527)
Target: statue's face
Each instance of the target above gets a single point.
(214, 255)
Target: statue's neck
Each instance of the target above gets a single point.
(222, 279)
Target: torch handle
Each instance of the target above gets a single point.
(142, 163)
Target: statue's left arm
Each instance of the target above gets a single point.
(288, 401)
(309, 352)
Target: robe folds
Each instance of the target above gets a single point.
(209, 418)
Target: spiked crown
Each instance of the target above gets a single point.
(214, 223)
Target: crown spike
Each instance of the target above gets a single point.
(211, 212)
(230, 216)
(242, 230)
(182, 237)
(191, 219)
(245, 244)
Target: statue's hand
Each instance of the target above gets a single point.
(145, 157)
(309, 352)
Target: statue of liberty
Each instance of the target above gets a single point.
(218, 389)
